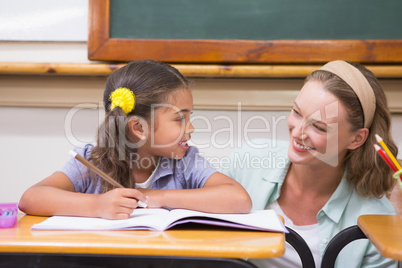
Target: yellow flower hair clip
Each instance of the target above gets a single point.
(123, 98)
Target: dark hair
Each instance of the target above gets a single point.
(152, 83)
(366, 171)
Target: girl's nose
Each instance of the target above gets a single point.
(190, 128)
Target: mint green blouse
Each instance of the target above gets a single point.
(262, 172)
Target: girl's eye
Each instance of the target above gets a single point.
(180, 118)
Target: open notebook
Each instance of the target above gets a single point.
(162, 219)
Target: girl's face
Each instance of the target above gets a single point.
(172, 127)
(318, 127)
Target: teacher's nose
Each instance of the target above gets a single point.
(298, 130)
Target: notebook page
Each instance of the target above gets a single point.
(140, 219)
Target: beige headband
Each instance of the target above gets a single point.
(358, 82)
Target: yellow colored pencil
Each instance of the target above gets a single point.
(390, 155)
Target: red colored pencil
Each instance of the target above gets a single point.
(385, 157)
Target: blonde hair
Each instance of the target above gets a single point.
(366, 171)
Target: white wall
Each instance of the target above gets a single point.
(32, 140)
(43, 20)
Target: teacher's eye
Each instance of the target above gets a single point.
(296, 112)
(319, 128)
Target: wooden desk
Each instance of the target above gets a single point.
(385, 232)
(203, 242)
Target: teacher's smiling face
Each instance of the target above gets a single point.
(318, 127)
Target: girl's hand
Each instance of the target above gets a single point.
(155, 197)
(220, 194)
(118, 203)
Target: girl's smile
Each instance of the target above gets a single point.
(184, 145)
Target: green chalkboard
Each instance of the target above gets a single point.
(246, 31)
(256, 19)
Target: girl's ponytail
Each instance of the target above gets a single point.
(111, 150)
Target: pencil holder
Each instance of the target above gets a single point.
(397, 176)
(8, 214)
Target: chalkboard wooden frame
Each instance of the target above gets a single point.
(102, 47)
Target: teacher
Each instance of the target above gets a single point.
(330, 173)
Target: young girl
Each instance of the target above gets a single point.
(331, 173)
(142, 144)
